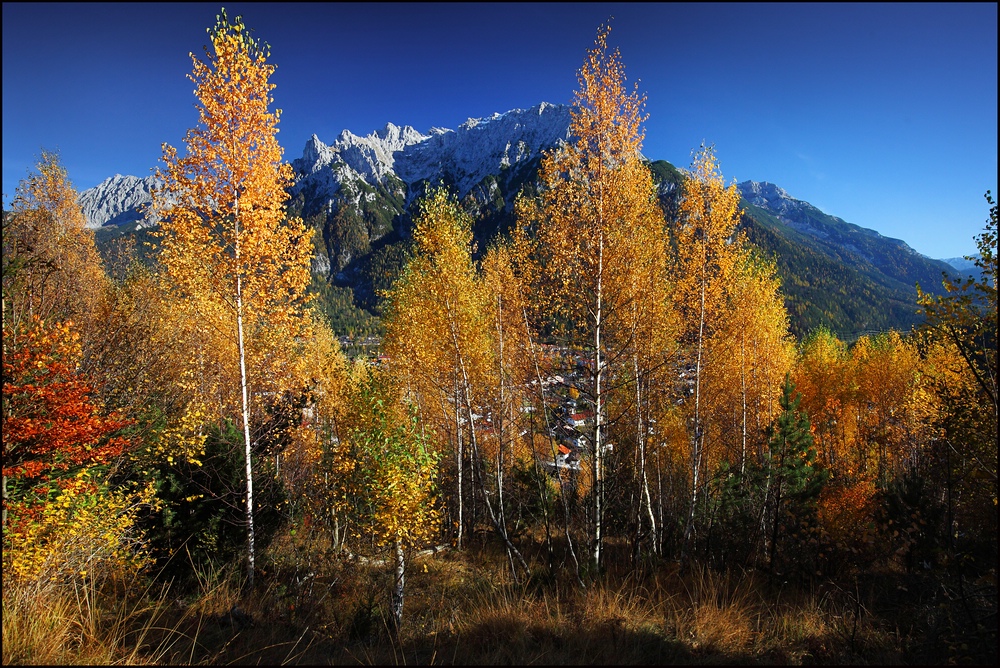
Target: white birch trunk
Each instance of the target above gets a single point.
(398, 588)
(696, 451)
(246, 402)
(598, 461)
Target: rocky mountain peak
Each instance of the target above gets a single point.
(117, 200)
(766, 195)
(478, 148)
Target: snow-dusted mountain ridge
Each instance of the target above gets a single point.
(463, 157)
(117, 200)
(478, 148)
(359, 193)
(806, 218)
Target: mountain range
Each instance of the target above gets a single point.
(360, 193)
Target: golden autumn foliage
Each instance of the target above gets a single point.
(454, 364)
(442, 360)
(823, 374)
(77, 528)
(894, 409)
(50, 422)
(703, 273)
(847, 513)
(605, 378)
(305, 463)
(61, 519)
(384, 468)
(51, 268)
(511, 368)
(750, 353)
(438, 290)
(598, 221)
(239, 265)
(141, 361)
(598, 263)
(707, 246)
(874, 413)
(227, 245)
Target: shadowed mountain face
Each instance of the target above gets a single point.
(848, 278)
(360, 194)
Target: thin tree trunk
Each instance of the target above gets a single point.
(641, 450)
(501, 423)
(398, 588)
(548, 436)
(743, 391)
(246, 403)
(598, 460)
(696, 452)
(659, 501)
(477, 460)
(459, 465)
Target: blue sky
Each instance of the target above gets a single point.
(882, 114)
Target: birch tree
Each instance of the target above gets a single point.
(751, 356)
(233, 256)
(599, 230)
(384, 473)
(450, 357)
(51, 268)
(706, 253)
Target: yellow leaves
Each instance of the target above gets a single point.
(383, 474)
(228, 248)
(748, 353)
(599, 227)
(53, 269)
(86, 528)
(441, 293)
(872, 406)
(706, 252)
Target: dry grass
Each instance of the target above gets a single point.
(77, 623)
(714, 614)
(464, 608)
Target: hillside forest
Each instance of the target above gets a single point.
(592, 440)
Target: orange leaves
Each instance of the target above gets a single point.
(435, 312)
(706, 251)
(599, 225)
(50, 422)
(750, 354)
(824, 377)
(607, 118)
(847, 512)
(50, 264)
(228, 248)
(871, 405)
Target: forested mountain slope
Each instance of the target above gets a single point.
(359, 193)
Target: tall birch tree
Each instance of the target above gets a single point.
(599, 229)
(452, 357)
(707, 251)
(234, 257)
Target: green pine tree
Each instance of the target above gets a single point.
(795, 476)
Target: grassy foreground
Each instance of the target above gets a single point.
(310, 607)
